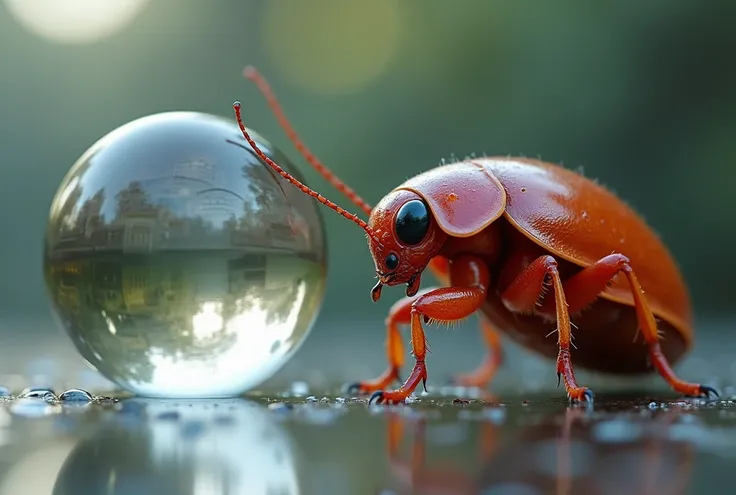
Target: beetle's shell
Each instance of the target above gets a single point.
(579, 222)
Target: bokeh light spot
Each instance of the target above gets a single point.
(75, 21)
(332, 47)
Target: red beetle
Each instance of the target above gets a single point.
(499, 232)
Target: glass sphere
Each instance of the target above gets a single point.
(179, 263)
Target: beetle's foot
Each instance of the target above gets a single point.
(694, 390)
(392, 397)
(706, 390)
(703, 390)
(380, 383)
(418, 374)
(581, 394)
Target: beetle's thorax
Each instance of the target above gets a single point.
(486, 244)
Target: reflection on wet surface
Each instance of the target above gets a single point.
(179, 263)
(294, 443)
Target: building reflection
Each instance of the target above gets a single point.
(184, 216)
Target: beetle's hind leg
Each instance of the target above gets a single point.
(521, 296)
(585, 286)
(485, 372)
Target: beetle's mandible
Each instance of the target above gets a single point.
(533, 248)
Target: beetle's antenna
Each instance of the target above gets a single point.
(306, 190)
(268, 93)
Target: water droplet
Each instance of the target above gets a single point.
(4, 392)
(36, 393)
(222, 278)
(76, 395)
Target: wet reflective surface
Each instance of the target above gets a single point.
(291, 443)
(178, 263)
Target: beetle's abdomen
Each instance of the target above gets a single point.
(577, 220)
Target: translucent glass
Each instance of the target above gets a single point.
(179, 263)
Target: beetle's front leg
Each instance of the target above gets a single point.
(399, 314)
(469, 277)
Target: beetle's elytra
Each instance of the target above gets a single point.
(534, 249)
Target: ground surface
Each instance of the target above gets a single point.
(294, 438)
(298, 442)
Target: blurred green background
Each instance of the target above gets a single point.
(640, 94)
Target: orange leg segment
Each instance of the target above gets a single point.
(469, 278)
(585, 286)
(400, 314)
(522, 297)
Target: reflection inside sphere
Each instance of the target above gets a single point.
(178, 263)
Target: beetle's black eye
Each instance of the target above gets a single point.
(392, 261)
(412, 222)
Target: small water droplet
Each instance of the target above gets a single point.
(311, 398)
(652, 405)
(36, 393)
(4, 392)
(76, 395)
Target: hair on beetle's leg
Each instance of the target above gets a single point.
(445, 304)
(522, 296)
(399, 314)
(586, 285)
(484, 373)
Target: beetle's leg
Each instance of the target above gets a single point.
(522, 296)
(469, 277)
(399, 314)
(585, 286)
(484, 373)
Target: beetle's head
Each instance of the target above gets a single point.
(407, 238)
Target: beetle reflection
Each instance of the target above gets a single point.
(574, 455)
